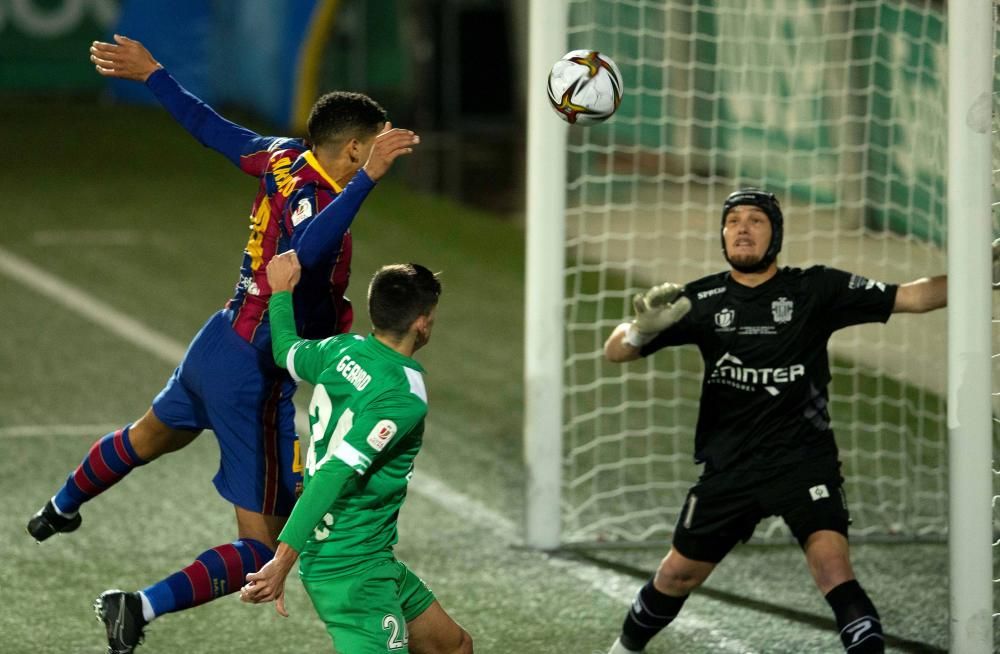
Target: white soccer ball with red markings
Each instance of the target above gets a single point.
(585, 87)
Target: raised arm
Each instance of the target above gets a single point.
(922, 295)
(319, 240)
(129, 59)
(655, 310)
(283, 273)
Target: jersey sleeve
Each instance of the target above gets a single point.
(316, 237)
(243, 147)
(323, 489)
(378, 428)
(304, 359)
(847, 299)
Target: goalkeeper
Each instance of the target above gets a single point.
(367, 422)
(763, 430)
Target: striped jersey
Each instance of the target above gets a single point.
(293, 191)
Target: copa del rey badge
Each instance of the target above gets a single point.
(781, 309)
(302, 211)
(381, 434)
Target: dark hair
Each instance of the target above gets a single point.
(341, 115)
(400, 293)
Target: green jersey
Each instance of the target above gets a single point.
(366, 420)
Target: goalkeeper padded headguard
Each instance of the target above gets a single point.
(767, 203)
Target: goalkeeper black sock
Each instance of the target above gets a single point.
(857, 619)
(651, 611)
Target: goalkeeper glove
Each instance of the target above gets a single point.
(655, 310)
(996, 263)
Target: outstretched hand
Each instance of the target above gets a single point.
(284, 271)
(658, 308)
(389, 145)
(124, 59)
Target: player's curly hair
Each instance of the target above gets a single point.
(399, 293)
(341, 115)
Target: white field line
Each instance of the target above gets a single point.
(614, 585)
(88, 306)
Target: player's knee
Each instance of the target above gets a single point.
(260, 527)
(829, 561)
(148, 437)
(152, 438)
(679, 575)
(677, 582)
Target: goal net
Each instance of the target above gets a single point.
(839, 109)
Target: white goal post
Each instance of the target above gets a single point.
(543, 313)
(970, 442)
(845, 111)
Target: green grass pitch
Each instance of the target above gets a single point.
(120, 205)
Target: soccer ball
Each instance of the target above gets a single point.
(585, 87)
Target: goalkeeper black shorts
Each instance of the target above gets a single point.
(725, 508)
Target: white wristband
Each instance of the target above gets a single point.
(635, 338)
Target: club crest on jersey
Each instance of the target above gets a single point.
(724, 319)
(381, 434)
(781, 309)
(302, 211)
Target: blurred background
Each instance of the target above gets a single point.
(445, 68)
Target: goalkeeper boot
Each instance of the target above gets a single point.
(48, 522)
(618, 648)
(121, 614)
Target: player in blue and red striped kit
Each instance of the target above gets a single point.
(309, 194)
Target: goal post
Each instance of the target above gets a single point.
(543, 312)
(970, 165)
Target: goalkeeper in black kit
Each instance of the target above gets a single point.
(763, 430)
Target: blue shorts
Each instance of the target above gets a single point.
(227, 385)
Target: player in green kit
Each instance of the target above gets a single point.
(367, 423)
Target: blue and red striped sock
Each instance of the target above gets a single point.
(108, 460)
(216, 572)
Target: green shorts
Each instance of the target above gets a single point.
(367, 611)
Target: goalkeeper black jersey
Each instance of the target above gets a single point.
(764, 393)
